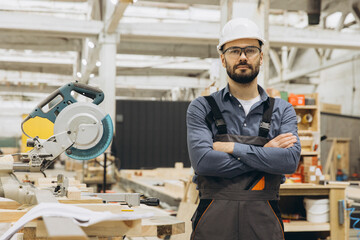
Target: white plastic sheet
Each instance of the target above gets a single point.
(81, 216)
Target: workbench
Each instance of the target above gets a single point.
(160, 225)
(335, 193)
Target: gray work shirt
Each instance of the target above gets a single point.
(245, 158)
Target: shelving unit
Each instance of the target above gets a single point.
(308, 117)
(309, 153)
(306, 107)
(335, 193)
(314, 111)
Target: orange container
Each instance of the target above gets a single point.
(296, 100)
(300, 99)
(292, 99)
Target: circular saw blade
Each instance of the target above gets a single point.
(88, 126)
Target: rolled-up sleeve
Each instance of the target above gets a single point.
(205, 160)
(269, 159)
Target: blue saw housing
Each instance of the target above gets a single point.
(100, 147)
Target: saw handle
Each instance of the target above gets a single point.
(65, 92)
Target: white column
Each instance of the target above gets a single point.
(107, 69)
(107, 73)
(258, 11)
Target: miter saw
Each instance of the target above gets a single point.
(81, 129)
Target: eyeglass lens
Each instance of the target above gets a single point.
(236, 52)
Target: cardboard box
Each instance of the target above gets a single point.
(310, 161)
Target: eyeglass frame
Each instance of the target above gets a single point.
(242, 50)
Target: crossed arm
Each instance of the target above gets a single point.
(227, 159)
(284, 140)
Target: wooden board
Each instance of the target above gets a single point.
(7, 215)
(342, 231)
(102, 229)
(146, 186)
(162, 226)
(341, 154)
(84, 199)
(8, 204)
(185, 212)
(305, 226)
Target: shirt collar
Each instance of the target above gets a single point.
(262, 92)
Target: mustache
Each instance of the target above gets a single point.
(242, 64)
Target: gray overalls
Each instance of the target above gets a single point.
(244, 207)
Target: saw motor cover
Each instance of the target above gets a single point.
(89, 130)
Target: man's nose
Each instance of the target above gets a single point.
(242, 56)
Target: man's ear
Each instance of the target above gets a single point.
(261, 58)
(223, 61)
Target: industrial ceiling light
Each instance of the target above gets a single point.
(84, 62)
(78, 74)
(114, 2)
(92, 75)
(91, 44)
(98, 63)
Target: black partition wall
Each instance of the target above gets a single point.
(150, 134)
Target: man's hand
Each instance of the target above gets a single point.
(285, 140)
(227, 147)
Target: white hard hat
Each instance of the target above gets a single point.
(239, 28)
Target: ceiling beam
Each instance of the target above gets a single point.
(168, 49)
(113, 22)
(140, 93)
(122, 91)
(302, 73)
(38, 43)
(161, 82)
(37, 62)
(290, 5)
(35, 67)
(201, 2)
(133, 71)
(185, 33)
(313, 38)
(208, 33)
(48, 26)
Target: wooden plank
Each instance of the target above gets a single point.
(102, 229)
(84, 199)
(341, 155)
(114, 228)
(338, 232)
(63, 228)
(73, 193)
(313, 186)
(29, 231)
(329, 158)
(8, 204)
(11, 215)
(305, 226)
(185, 212)
(302, 192)
(162, 226)
(145, 186)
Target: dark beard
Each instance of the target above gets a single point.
(243, 78)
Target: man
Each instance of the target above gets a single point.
(240, 143)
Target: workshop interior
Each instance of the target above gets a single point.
(105, 118)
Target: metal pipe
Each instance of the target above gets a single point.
(21, 167)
